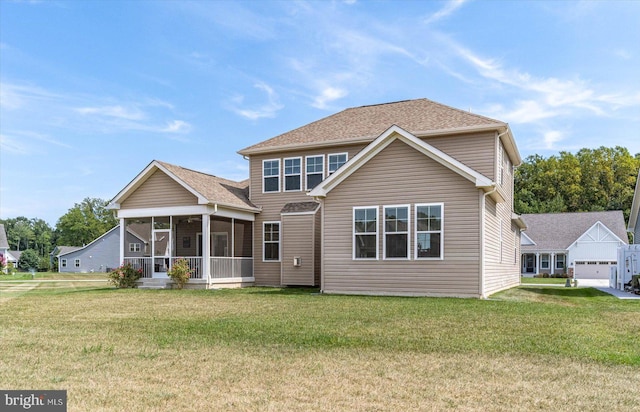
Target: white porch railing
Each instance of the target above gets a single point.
(195, 264)
(231, 267)
(146, 264)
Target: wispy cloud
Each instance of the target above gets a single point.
(329, 94)
(120, 112)
(268, 109)
(10, 144)
(449, 8)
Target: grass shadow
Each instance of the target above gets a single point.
(565, 292)
(286, 291)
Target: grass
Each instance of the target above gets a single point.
(539, 281)
(53, 275)
(292, 349)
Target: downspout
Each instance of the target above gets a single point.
(483, 198)
(321, 201)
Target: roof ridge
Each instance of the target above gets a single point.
(198, 172)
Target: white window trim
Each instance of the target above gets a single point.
(285, 175)
(563, 263)
(63, 263)
(415, 231)
(76, 263)
(353, 232)
(384, 233)
(135, 247)
(548, 261)
(278, 175)
(279, 241)
(306, 160)
(346, 159)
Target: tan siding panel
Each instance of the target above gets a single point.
(159, 190)
(401, 175)
(474, 150)
(298, 241)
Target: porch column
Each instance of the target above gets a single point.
(206, 247)
(552, 262)
(123, 239)
(537, 263)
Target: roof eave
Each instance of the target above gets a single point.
(368, 139)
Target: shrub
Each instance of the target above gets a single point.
(29, 260)
(125, 276)
(44, 264)
(180, 272)
(545, 275)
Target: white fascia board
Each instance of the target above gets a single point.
(186, 211)
(385, 139)
(635, 206)
(588, 230)
(523, 234)
(202, 200)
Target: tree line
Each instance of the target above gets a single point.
(587, 181)
(35, 238)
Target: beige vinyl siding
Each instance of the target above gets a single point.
(500, 273)
(298, 241)
(474, 150)
(269, 273)
(401, 175)
(189, 231)
(159, 190)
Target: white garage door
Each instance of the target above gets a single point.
(593, 269)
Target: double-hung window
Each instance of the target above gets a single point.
(365, 232)
(396, 232)
(560, 261)
(271, 243)
(134, 247)
(315, 171)
(63, 263)
(77, 263)
(544, 261)
(336, 160)
(271, 175)
(293, 174)
(429, 231)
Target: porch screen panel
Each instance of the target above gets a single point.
(243, 238)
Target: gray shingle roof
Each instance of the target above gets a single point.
(63, 250)
(4, 244)
(557, 231)
(215, 189)
(300, 207)
(368, 122)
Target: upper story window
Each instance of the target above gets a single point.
(337, 160)
(396, 232)
(429, 231)
(271, 175)
(134, 247)
(293, 174)
(315, 170)
(365, 232)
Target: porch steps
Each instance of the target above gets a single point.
(154, 284)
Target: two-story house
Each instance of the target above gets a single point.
(404, 198)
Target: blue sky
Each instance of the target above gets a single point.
(92, 91)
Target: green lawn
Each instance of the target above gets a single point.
(52, 275)
(538, 281)
(293, 349)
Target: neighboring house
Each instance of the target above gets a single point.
(13, 256)
(101, 255)
(4, 245)
(634, 216)
(584, 243)
(404, 198)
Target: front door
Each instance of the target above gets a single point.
(529, 263)
(161, 252)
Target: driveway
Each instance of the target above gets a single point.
(603, 285)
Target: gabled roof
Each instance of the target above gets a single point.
(385, 139)
(208, 189)
(420, 117)
(70, 249)
(558, 231)
(4, 244)
(635, 208)
(63, 250)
